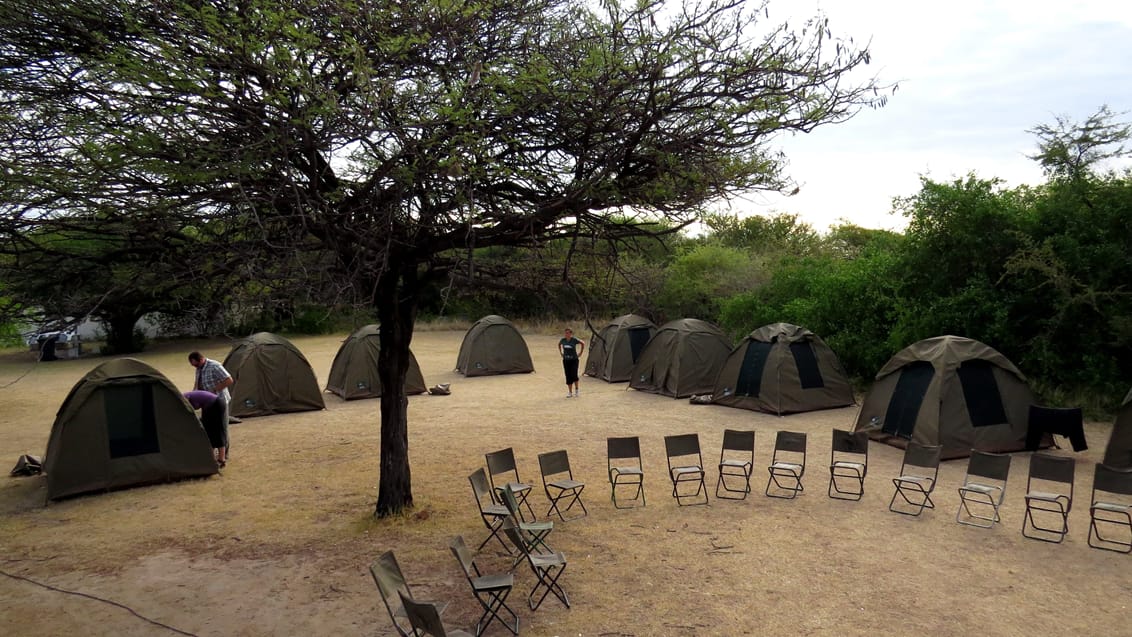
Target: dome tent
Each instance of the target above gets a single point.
(682, 358)
(950, 391)
(271, 376)
(493, 346)
(124, 424)
(781, 369)
(353, 374)
(615, 349)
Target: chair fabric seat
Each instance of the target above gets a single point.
(567, 484)
(735, 463)
(842, 464)
(1111, 506)
(1045, 496)
(629, 471)
(981, 488)
(921, 480)
(787, 466)
(677, 471)
(493, 582)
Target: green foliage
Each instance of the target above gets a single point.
(699, 278)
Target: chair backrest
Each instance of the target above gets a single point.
(463, 556)
(623, 449)
(478, 479)
(921, 456)
(682, 445)
(790, 441)
(850, 442)
(554, 462)
(423, 617)
(500, 462)
(511, 530)
(507, 495)
(390, 583)
(993, 466)
(1053, 468)
(1111, 480)
(734, 440)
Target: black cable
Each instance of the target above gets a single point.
(97, 599)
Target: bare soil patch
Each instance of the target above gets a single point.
(279, 544)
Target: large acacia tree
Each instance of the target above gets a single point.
(402, 135)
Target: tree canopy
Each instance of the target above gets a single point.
(401, 136)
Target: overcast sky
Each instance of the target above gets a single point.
(973, 76)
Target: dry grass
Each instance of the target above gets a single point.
(279, 544)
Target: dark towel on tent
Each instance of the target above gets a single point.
(27, 466)
(1062, 421)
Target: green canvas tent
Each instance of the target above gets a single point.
(782, 369)
(950, 391)
(124, 424)
(615, 349)
(271, 376)
(1118, 453)
(682, 358)
(353, 374)
(493, 346)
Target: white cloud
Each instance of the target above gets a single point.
(973, 75)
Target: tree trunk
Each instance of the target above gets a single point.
(120, 332)
(398, 296)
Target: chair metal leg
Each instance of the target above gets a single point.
(575, 493)
(1040, 532)
(690, 477)
(639, 494)
(788, 484)
(548, 582)
(496, 603)
(923, 498)
(743, 474)
(1121, 518)
(979, 498)
(849, 476)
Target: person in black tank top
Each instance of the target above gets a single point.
(571, 350)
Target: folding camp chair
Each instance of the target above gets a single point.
(983, 488)
(491, 591)
(493, 514)
(557, 476)
(787, 465)
(849, 462)
(547, 566)
(685, 466)
(918, 474)
(533, 533)
(629, 470)
(1053, 474)
(425, 619)
(391, 584)
(1114, 510)
(737, 461)
(501, 463)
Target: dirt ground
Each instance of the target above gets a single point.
(279, 544)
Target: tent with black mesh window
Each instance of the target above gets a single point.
(124, 424)
(950, 391)
(615, 349)
(782, 369)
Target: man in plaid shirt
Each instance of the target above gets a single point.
(212, 377)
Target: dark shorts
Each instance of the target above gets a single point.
(214, 418)
(570, 366)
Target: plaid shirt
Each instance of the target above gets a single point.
(210, 375)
